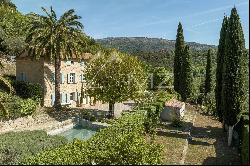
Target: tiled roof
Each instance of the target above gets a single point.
(83, 56)
(174, 103)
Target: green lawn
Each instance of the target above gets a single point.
(208, 145)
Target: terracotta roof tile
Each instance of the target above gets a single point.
(83, 56)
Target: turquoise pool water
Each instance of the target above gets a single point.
(79, 133)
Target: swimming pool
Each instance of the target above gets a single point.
(78, 132)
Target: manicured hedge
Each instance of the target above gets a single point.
(122, 143)
(14, 146)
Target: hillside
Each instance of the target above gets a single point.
(155, 51)
(143, 44)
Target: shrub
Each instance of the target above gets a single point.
(17, 145)
(28, 90)
(245, 145)
(16, 106)
(122, 143)
(177, 123)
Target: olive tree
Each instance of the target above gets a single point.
(115, 77)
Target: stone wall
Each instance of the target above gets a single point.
(40, 122)
(31, 68)
(42, 72)
(66, 87)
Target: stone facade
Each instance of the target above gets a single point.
(42, 72)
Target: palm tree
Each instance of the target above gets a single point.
(55, 39)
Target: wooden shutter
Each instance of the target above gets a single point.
(62, 78)
(68, 98)
(75, 96)
(21, 76)
(53, 77)
(63, 98)
(87, 99)
(75, 79)
(25, 76)
(68, 78)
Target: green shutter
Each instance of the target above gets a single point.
(52, 99)
(68, 78)
(25, 77)
(75, 79)
(62, 78)
(64, 98)
(67, 95)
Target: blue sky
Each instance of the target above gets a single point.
(201, 19)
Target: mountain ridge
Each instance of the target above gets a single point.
(147, 44)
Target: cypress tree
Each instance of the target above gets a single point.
(234, 90)
(208, 80)
(187, 78)
(179, 48)
(220, 62)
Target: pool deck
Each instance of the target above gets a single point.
(84, 123)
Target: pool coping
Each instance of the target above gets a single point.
(82, 122)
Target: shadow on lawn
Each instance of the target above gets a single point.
(224, 155)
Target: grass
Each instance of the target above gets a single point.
(172, 147)
(173, 139)
(209, 144)
(207, 147)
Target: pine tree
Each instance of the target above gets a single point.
(187, 78)
(234, 74)
(208, 80)
(179, 48)
(220, 62)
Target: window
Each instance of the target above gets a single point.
(72, 77)
(52, 99)
(72, 96)
(82, 78)
(82, 63)
(68, 63)
(22, 77)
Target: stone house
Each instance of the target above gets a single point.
(43, 72)
(173, 109)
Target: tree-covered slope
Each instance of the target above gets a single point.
(144, 44)
(155, 51)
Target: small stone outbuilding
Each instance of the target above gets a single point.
(173, 109)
